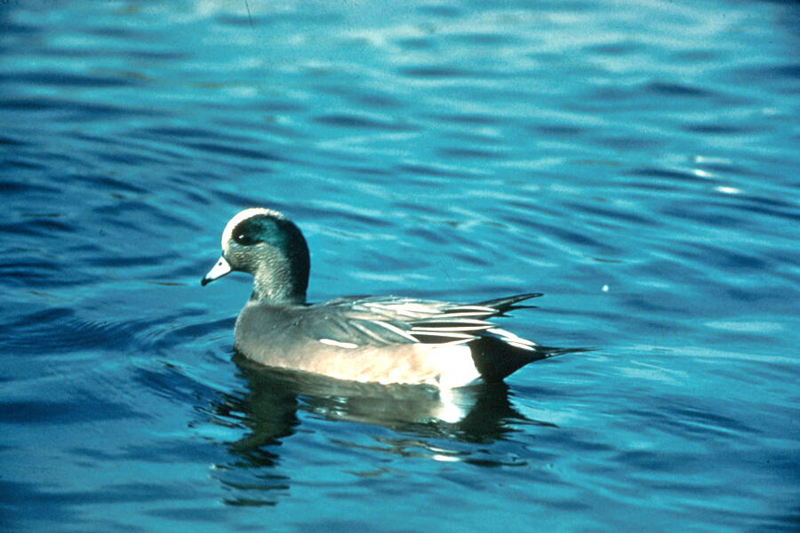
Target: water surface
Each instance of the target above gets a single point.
(637, 162)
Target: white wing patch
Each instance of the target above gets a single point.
(338, 344)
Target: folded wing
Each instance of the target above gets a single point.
(380, 321)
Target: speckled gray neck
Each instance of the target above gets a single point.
(279, 284)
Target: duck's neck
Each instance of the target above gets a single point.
(282, 278)
(279, 286)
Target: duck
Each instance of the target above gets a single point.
(376, 339)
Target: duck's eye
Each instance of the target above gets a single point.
(245, 239)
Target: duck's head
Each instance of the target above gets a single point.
(268, 245)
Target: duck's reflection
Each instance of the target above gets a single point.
(276, 401)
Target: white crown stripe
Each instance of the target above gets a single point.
(227, 233)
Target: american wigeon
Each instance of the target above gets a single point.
(384, 339)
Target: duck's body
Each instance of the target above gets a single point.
(369, 339)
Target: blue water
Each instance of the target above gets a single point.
(635, 161)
